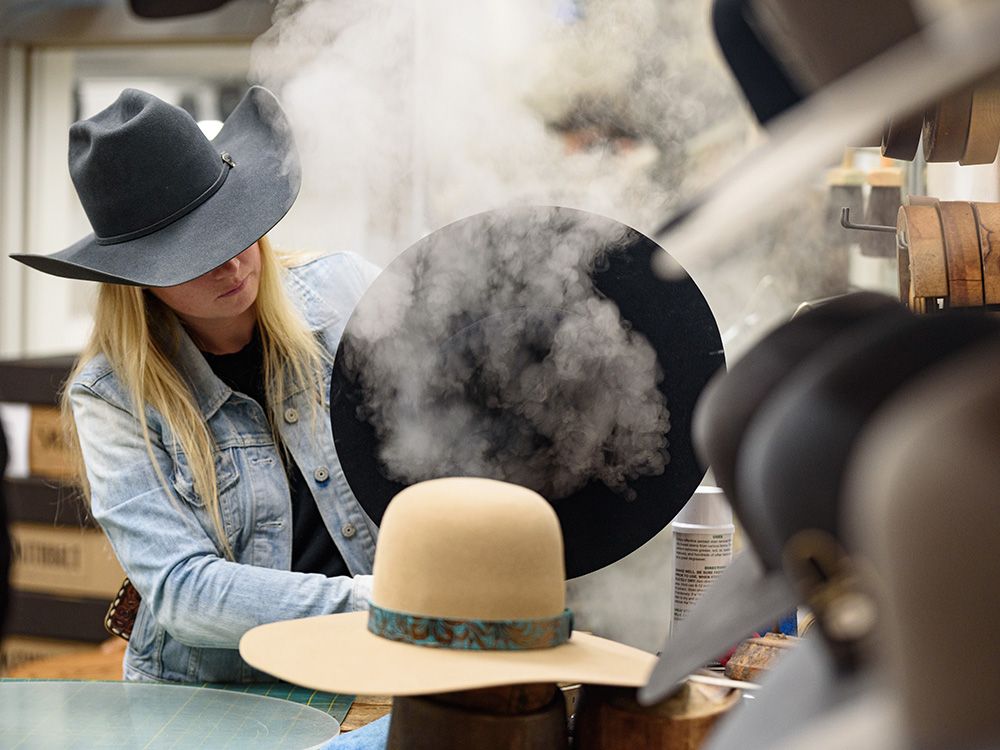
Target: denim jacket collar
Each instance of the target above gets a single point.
(209, 390)
(317, 312)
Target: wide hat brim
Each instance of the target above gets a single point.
(871, 719)
(337, 653)
(256, 195)
(743, 599)
(730, 402)
(599, 525)
(801, 442)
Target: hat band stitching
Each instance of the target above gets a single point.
(183, 211)
(471, 635)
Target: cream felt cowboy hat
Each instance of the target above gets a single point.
(167, 204)
(468, 592)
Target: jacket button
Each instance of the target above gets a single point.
(321, 474)
(348, 530)
(291, 416)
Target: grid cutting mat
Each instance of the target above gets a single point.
(69, 715)
(335, 704)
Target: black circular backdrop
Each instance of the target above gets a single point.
(600, 526)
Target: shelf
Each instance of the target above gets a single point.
(34, 381)
(46, 616)
(45, 501)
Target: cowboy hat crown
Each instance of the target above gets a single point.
(166, 203)
(500, 559)
(140, 164)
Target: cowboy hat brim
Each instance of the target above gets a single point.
(869, 720)
(730, 402)
(743, 599)
(802, 440)
(753, 592)
(600, 525)
(256, 195)
(337, 653)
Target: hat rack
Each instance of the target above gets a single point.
(948, 253)
(846, 223)
(962, 127)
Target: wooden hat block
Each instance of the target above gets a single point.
(610, 718)
(510, 717)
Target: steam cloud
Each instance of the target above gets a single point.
(412, 115)
(494, 355)
(409, 115)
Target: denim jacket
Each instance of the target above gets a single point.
(195, 603)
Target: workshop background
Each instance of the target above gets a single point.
(409, 115)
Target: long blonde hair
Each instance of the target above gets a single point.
(130, 326)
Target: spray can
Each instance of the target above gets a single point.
(703, 546)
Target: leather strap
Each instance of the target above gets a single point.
(984, 126)
(988, 222)
(946, 127)
(922, 269)
(156, 226)
(122, 611)
(964, 260)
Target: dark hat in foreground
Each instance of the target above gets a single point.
(754, 590)
(793, 468)
(828, 407)
(921, 518)
(532, 345)
(921, 510)
(167, 204)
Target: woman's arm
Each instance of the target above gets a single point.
(200, 598)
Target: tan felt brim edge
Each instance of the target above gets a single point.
(336, 653)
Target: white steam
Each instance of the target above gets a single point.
(500, 359)
(413, 114)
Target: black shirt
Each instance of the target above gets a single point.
(313, 550)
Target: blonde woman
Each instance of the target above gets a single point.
(204, 445)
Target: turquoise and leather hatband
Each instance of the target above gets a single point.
(473, 635)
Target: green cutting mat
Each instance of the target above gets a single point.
(85, 715)
(335, 704)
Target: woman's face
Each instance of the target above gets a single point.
(221, 295)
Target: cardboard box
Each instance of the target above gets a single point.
(16, 650)
(64, 560)
(48, 453)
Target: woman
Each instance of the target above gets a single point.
(204, 446)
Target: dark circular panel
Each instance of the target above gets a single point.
(602, 521)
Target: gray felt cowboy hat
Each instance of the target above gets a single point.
(921, 513)
(166, 203)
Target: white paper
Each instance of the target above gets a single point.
(16, 419)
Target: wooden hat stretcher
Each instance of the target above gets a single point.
(948, 253)
(961, 127)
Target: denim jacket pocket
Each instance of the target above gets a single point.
(226, 475)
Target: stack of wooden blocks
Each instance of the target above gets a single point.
(64, 571)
